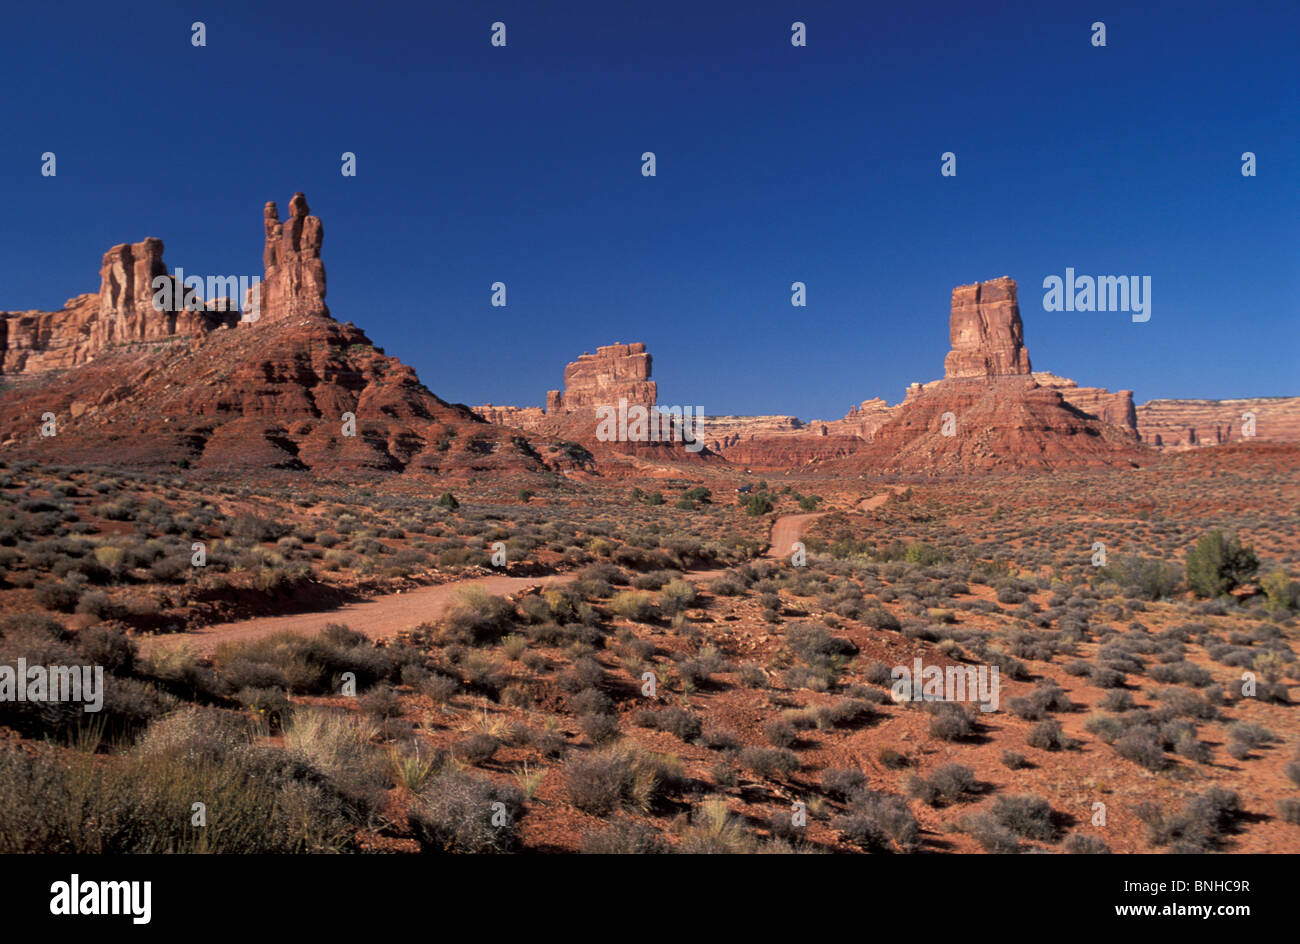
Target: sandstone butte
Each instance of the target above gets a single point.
(614, 375)
(132, 385)
(1006, 414)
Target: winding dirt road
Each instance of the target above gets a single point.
(392, 613)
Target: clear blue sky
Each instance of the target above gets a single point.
(775, 164)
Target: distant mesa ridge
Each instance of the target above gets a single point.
(138, 383)
(1006, 414)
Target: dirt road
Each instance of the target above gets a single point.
(392, 613)
(786, 530)
(381, 617)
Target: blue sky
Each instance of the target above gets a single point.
(775, 164)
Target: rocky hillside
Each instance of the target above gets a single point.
(287, 387)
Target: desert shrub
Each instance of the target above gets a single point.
(1145, 578)
(1218, 564)
(476, 749)
(624, 837)
(1116, 700)
(1199, 826)
(676, 721)
(1082, 844)
(1026, 815)
(109, 647)
(305, 665)
(780, 733)
(1288, 810)
(988, 831)
(952, 781)
(1282, 592)
(769, 762)
(439, 687)
(455, 814)
(381, 702)
(842, 782)
(1047, 735)
(632, 605)
(1143, 747)
(477, 618)
(599, 728)
(268, 803)
(600, 782)
(676, 596)
(874, 820)
(58, 595)
(714, 831)
(1013, 760)
(891, 758)
(949, 721)
(254, 528)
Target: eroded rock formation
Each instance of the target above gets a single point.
(614, 372)
(294, 283)
(986, 332)
(293, 390)
(1175, 425)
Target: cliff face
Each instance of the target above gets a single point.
(1115, 408)
(122, 312)
(986, 332)
(614, 372)
(1175, 425)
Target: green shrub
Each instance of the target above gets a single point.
(1218, 564)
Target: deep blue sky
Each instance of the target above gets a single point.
(775, 164)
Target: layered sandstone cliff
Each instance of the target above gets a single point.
(1115, 408)
(986, 332)
(1175, 425)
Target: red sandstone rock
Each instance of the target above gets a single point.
(986, 332)
(265, 395)
(1114, 408)
(614, 372)
(1175, 425)
(294, 283)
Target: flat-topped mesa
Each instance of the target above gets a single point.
(294, 283)
(986, 332)
(614, 372)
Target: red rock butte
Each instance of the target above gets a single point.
(988, 338)
(208, 391)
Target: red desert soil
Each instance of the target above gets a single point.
(389, 615)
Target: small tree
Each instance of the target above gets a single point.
(1283, 592)
(1218, 564)
(448, 500)
(758, 505)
